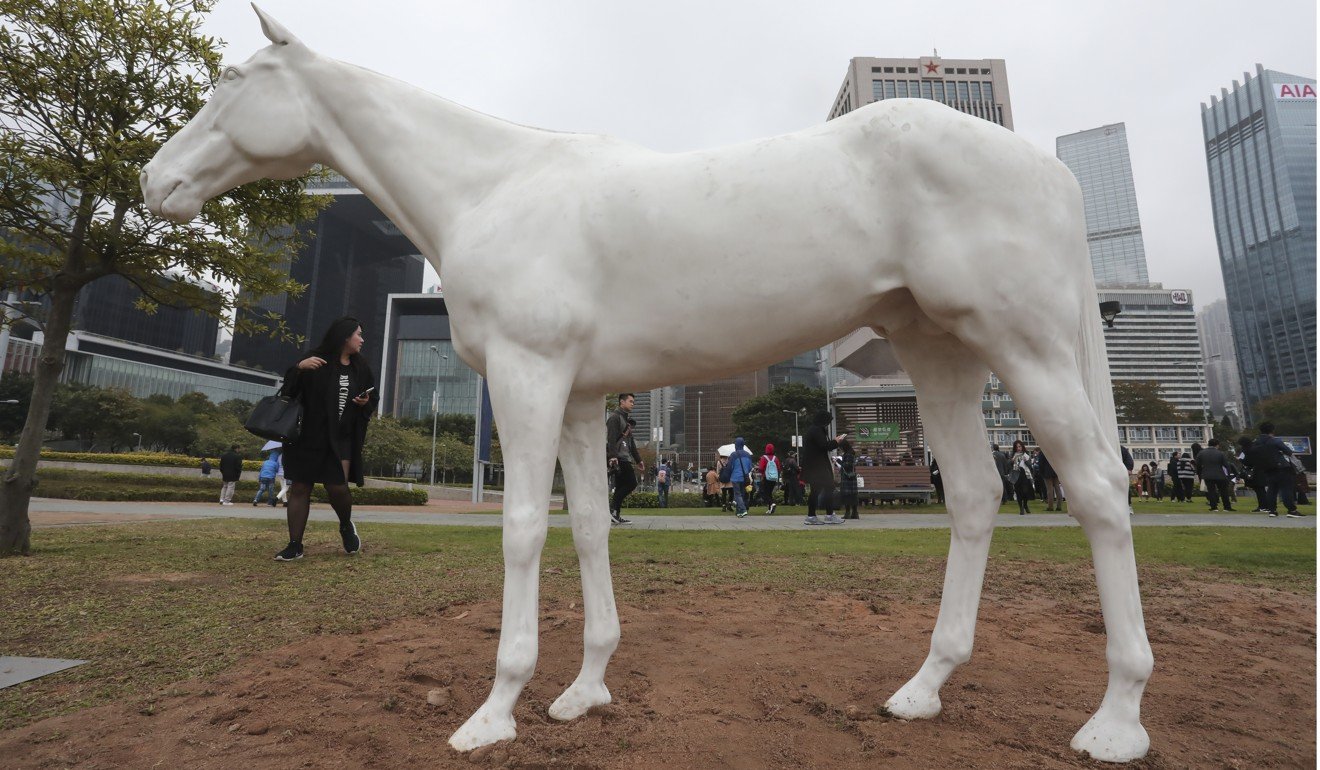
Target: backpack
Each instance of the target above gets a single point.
(662, 476)
(726, 473)
(771, 469)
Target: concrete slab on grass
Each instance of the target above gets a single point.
(14, 669)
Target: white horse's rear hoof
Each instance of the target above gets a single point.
(1112, 739)
(482, 729)
(578, 699)
(914, 702)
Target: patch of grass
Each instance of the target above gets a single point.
(155, 603)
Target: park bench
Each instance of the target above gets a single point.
(896, 483)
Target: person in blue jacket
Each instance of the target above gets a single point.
(266, 477)
(740, 463)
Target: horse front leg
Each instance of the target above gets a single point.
(528, 393)
(582, 455)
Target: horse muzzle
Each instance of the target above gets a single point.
(167, 196)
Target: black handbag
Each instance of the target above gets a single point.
(277, 418)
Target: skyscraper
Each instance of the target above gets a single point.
(354, 259)
(1099, 159)
(1260, 151)
(975, 86)
(1155, 340)
(1221, 369)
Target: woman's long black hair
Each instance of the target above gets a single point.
(333, 342)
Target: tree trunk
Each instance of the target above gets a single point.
(21, 477)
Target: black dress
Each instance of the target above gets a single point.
(334, 428)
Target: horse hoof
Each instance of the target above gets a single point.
(1112, 739)
(578, 699)
(482, 729)
(912, 702)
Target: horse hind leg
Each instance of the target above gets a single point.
(581, 446)
(1052, 397)
(949, 381)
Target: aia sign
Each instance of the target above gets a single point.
(1294, 91)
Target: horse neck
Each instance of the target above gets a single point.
(422, 159)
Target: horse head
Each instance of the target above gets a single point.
(256, 125)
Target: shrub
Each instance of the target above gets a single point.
(652, 500)
(134, 458)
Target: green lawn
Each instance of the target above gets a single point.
(1036, 506)
(154, 603)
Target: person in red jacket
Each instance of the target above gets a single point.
(770, 470)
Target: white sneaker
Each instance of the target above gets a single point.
(771, 510)
(833, 518)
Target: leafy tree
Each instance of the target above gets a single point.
(452, 454)
(761, 420)
(167, 425)
(97, 415)
(90, 91)
(390, 446)
(218, 431)
(1293, 413)
(237, 407)
(14, 387)
(197, 403)
(1138, 401)
(461, 425)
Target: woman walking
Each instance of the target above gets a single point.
(848, 479)
(1019, 476)
(336, 388)
(817, 469)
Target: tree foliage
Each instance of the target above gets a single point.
(391, 447)
(1139, 401)
(90, 91)
(761, 419)
(1293, 413)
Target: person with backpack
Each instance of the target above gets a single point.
(768, 467)
(790, 474)
(1269, 460)
(740, 475)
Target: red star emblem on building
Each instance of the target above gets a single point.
(932, 67)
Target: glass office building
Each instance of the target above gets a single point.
(1260, 152)
(353, 258)
(1099, 159)
(412, 374)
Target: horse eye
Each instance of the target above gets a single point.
(230, 74)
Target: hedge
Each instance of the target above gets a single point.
(242, 495)
(135, 458)
(652, 500)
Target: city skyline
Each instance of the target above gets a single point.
(675, 78)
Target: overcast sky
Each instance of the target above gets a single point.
(683, 75)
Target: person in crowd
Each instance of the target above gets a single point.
(1157, 475)
(1002, 465)
(937, 480)
(1211, 467)
(1143, 481)
(1019, 475)
(1187, 475)
(1128, 463)
(206, 467)
(848, 479)
(1175, 478)
(1038, 479)
(662, 483)
(1053, 490)
(1250, 479)
(266, 477)
(1269, 458)
(771, 473)
(791, 475)
(336, 387)
(712, 487)
(622, 457)
(817, 469)
(231, 469)
(740, 475)
(726, 486)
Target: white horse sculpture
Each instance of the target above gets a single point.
(957, 240)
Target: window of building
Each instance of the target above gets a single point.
(888, 69)
(963, 95)
(890, 92)
(960, 71)
(976, 91)
(985, 70)
(912, 70)
(988, 91)
(1166, 435)
(1139, 435)
(902, 89)
(927, 92)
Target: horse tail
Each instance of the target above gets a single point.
(1093, 364)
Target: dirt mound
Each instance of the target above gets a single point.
(733, 679)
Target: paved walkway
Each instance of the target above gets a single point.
(46, 512)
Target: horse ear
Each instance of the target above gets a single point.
(273, 30)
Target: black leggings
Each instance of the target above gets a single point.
(625, 481)
(300, 506)
(821, 495)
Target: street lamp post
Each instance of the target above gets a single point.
(139, 438)
(699, 460)
(435, 406)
